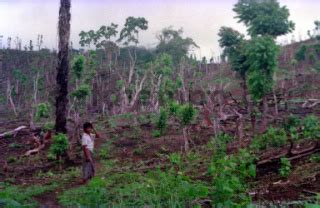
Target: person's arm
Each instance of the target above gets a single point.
(96, 133)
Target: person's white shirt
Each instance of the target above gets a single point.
(88, 140)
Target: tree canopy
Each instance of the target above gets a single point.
(264, 17)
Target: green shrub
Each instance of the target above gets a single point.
(285, 167)
(271, 138)
(301, 53)
(186, 114)
(219, 143)
(48, 126)
(81, 92)
(229, 179)
(59, 145)
(43, 111)
(162, 121)
(311, 127)
(292, 122)
(156, 133)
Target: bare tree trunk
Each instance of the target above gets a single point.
(185, 138)
(154, 100)
(63, 66)
(275, 100)
(35, 101)
(9, 97)
(264, 121)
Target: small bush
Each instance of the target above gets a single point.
(186, 114)
(156, 133)
(60, 145)
(229, 179)
(292, 122)
(162, 121)
(48, 126)
(272, 138)
(43, 111)
(285, 167)
(81, 92)
(311, 127)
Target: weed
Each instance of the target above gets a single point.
(59, 146)
(285, 167)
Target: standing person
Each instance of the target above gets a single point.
(87, 142)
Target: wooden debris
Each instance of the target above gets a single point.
(12, 132)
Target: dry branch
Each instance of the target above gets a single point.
(12, 132)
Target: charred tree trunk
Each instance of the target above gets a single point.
(63, 66)
(264, 121)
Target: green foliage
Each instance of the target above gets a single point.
(272, 138)
(229, 37)
(311, 127)
(99, 38)
(164, 64)
(113, 98)
(262, 55)
(219, 143)
(292, 122)
(43, 111)
(234, 46)
(175, 159)
(48, 126)
(130, 31)
(59, 145)
(229, 179)
(186, 114)
(285, 167)
(156, 133)
(18, 196)
(81, 92)
(162, 121)
(119, 84)
(78, 67)
(156, 189)
(264, 17)
(172, 43)
(90, 195)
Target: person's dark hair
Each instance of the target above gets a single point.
(87, 125)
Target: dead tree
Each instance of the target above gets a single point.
(63, 66)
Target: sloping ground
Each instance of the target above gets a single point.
(134, 149)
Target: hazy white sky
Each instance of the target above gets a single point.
(200, 19)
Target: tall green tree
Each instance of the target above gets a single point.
(63, 66)
(265, 20)
(264, 17)
(172, 43)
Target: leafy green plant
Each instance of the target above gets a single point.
(186, 114)
(81, 92)
(162, 121)
(271, 138)
(219, 143)
(285, 167)
(311, 127)
(43, 111)
(156, 133)
(12, 196)
(48, 126)
(59, 145)
(292, 122)
(229, 178)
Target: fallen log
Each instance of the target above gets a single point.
(291, 155)
(12, 132)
